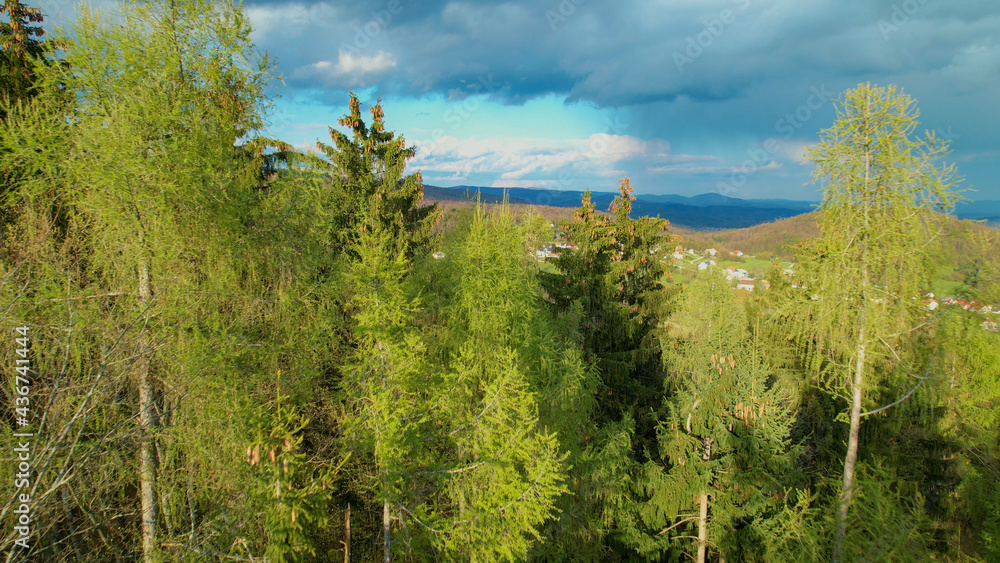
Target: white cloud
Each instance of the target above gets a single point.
(348, 63)
(520, 161)
(350, 70)
(293, 19)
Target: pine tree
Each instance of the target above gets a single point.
(867, 269)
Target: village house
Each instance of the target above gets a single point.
(745, 284)
(736, 273)
(706, 264)
(711, 252)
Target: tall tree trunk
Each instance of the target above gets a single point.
(703, 528)
(852, 442)
(386, 525)
(859, 370)
(147, 421)
(347, 534)
(703, 514)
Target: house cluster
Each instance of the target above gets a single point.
(975, 306)
(736, 273)
(552, 251)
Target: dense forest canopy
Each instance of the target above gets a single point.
(230, 350)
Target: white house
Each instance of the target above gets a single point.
(736, 273)
(678, 256)
(745, 284)
(706, 264)
(711, 252)
(736, 253)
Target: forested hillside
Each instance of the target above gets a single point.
(220, 348)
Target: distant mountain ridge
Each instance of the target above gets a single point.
(707, 211)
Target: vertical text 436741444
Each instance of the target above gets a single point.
(22, 440)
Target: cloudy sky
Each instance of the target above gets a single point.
(686, 96)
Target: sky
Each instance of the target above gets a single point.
(683, 96)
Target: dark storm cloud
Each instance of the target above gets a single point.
(720, 76)
(621, 53)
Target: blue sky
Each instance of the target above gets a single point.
(686, 96)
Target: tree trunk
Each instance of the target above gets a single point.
(852, 443)
(703, 514)
(386, 525)
(147, 421)
(703, 529)
(347, 534)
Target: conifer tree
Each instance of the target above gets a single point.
(614, 276)
(368, 167)
(20, 50)
(488, 471)
(383, 386)
(141, 166)
(724, 436)
(866, 272)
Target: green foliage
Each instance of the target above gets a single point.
(614, 277)
(21, 50)
(295, 491)
(503, 469)
(367, 169)
(972, 398)
(170, 260)
(877, 247)
(724, 432)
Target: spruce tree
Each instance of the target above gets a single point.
(614, 276)
(613, 279)
(723, 438)
(21, 49)
(368, 167)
